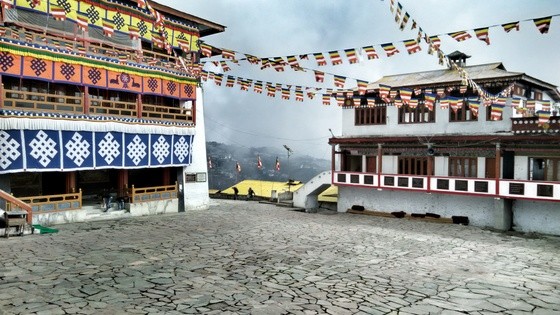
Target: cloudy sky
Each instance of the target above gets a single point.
(271, 28)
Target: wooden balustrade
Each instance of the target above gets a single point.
(43, 102)
(54, 203)
(166, 113)
(112, 107)
(152, 193)
(13, 203)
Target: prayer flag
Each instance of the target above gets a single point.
(277, 165)
(57, 12)
(82, 20)
(351, 55)
(460, 36)
(543, 24)
(335, 58)
(544, 117)
(482, 34)
(362, 87)
(370, 52)
(259, 162)
(319, 76)
(339, 81)
(109, 27)
(429, 100)
(496, 111)
(390, 49)
(509, 26)
(412, 46)
(320, 59)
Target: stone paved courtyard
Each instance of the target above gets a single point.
(251, 258)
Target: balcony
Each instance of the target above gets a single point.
(22, 100)
(530, 125)
(482, 187)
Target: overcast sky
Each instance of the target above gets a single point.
(271, 28)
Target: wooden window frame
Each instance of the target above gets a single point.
(417, 115)
(461, 166)
(370, 115)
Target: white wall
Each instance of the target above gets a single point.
(521, 170)
(479, 210)
(196, 193)
(441, 126)
(533, 216)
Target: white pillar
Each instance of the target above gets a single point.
(196, 193)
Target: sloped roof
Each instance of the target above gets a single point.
(489, 71)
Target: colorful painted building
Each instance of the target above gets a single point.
(101, 98)
(429, 142)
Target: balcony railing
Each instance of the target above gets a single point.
(35, 101)
(54, 203)
(506, 188)
(529, 125)
(152, 193)
(21, 100)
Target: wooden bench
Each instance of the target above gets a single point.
(17, 219)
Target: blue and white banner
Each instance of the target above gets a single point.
(56, 150)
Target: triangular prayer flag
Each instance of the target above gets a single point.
(57, 12)
(319, 76)
(405, 94)
(351, 55)
(460, 36)
(362, 87)
(335, 57)
(544, 117)
(412, 46)
(285, 94)
(206, 50)
(109, 27)
(482, 34)
(320, 59)
(429, 100)
(474, 105)
(390, 49)
(339, 81)
(496, 111)
(370, 52)
(384, 91)
(82, 20)
(543, 24)
(510, 26)
(292, 61)
(404, 21)
(326, 99)
(228, 54)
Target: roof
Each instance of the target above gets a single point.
(205, 27)
(479, 73)
(446, 76)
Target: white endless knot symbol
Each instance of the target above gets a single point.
(109, 148)
(77, 149)
(161, 149)
(136, 150)
(8, 149)
(43, 148)
(181, 149)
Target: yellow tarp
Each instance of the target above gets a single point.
(264, 189)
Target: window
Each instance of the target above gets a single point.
(463, 166)
(352, 163)
(462, 114)
(414, 165)
(545, 169)
(370, 115)
(420, 114)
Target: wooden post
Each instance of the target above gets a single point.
(71, 182)
(1, 92)
(85, 99)
(379, 163)
(193, 111)
(139, 106)
(122, 182)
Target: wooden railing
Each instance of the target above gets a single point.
(100, 49)
(113, 108)
(44, 102)
(506, 188)
(166, 113)
(152, 193)
(54, 203)
(13, 203)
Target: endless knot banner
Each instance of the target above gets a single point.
(9, 149)
(54, 150)
(43, 149)
(161, 150)
(78, 149)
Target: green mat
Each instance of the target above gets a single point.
(44, 229)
